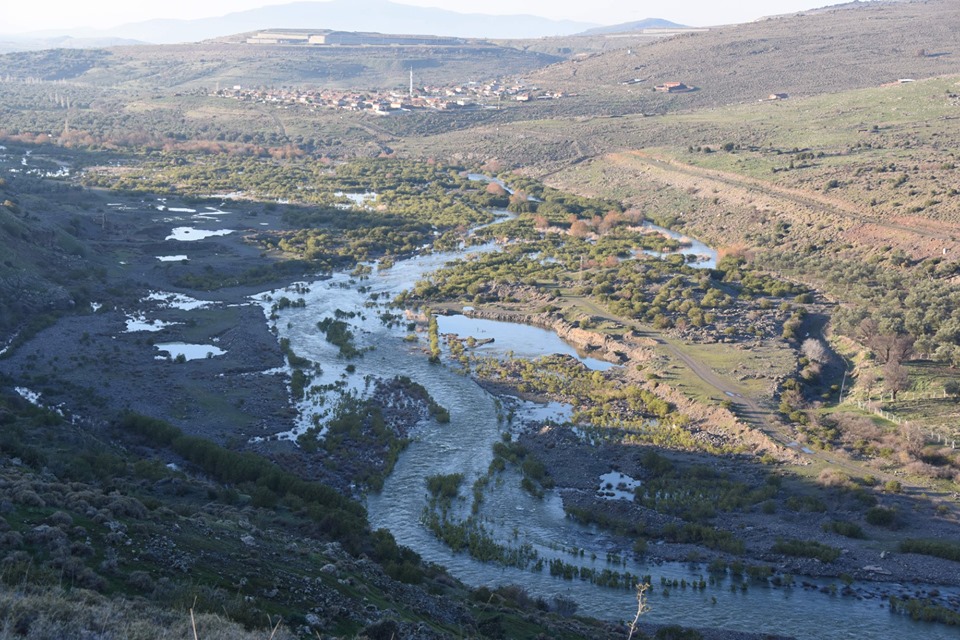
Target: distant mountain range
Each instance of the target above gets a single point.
(347, 15)
(627, 27)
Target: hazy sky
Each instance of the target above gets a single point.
(30, 15)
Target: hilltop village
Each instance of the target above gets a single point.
(469, 95)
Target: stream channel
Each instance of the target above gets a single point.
(510, 514)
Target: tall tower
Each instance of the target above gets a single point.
(411, 82)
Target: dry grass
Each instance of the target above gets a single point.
(42, 614)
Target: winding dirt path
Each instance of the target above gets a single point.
(759, 416)
(932, 235)
(749, 408)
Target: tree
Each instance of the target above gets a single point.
(610, 220)
(867, 330)
(814, 350)
(896, 378)
(948, 353)
(495, 189)
(579, 229)
(887, 346)
(900, 347)
(952, 388)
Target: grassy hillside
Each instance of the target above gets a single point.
(881, 153)
(805, 54)
(154, 94)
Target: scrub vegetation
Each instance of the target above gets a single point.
(784, 406)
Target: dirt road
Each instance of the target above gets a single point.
(931, 236)
(752, 411)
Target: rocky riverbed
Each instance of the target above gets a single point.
(577, 466)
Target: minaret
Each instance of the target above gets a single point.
(411, 82)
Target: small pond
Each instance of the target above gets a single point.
(520, 339)
(188, 351)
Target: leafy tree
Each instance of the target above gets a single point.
(579, 229)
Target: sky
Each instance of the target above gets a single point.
(33, 15)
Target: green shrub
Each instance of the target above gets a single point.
(881, 517)
(845, 528)
(444, 486)
(806, 549)
(806, 503)
(945, 549)
(710, 537)
(336, 515)
(925, 610)
(760, 573)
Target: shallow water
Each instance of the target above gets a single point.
(136, 323)
(521, 340)
(706, 257)
(188, 351)
(509, 513)
(191, 234)
(362, 200)
(177, 301)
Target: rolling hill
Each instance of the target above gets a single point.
(830, 50)
(638, 25)
(185, 66)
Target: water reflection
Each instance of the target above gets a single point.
(521, 340)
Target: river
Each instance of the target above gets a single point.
(512, 515)
(701, 255)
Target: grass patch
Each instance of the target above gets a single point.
(845, 528)
(945, 549)
(445, 487)
(806, 549)
(882, 517)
